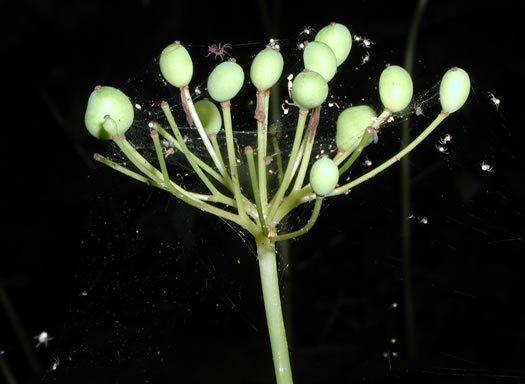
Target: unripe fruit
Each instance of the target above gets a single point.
(454, 89)
(176, 65)
(337, 37)
(351, 125)
(324, 176)
(225, 81)
(319, 57)
(266, 68)
(209, 115)
(395, 88)
(108, 101)
(309, 90)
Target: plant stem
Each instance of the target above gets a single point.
(406, 234)
(305, 194)
(277, 151)
(307, 227)
(189, 156)
(309, 143)
(272, 304)
(263, 98)
(160, 156)
(232, 159)
(6, 371)
(292, 161)
(187, 100)
(173, 142)
(357, 152)
(255, 187)
(345, 188)
(120, 168)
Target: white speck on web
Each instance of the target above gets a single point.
(494, 100)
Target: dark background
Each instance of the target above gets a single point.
(134, 287)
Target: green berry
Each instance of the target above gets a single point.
(176, 65)
(225, 81)
(266, 68)
(319, 57)
(209, 115)
(351, 124)
(309, 90)
(337, 37)
(395, 88)
(454, 89)
(108, 101)
(324, 176)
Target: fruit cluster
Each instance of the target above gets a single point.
(110, 114)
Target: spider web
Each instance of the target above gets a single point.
(168, 266)
(354, 84)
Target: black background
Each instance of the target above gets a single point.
(135, 288)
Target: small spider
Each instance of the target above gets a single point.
(418, 108)
(486, 167)
(301, 45)
(373, 132)
(445, 139)
(56, 362)
(363, 41)
(219, 50)
(494, 100)
(441, 149)
(367, 43)
(43, 338)
(285, 108)
(274, 43)
(307, 30)
(365, 59)
(422, 219)
(290, 83)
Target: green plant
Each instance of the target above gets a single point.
(109, 114)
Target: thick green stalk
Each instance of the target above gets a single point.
(272, 304)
